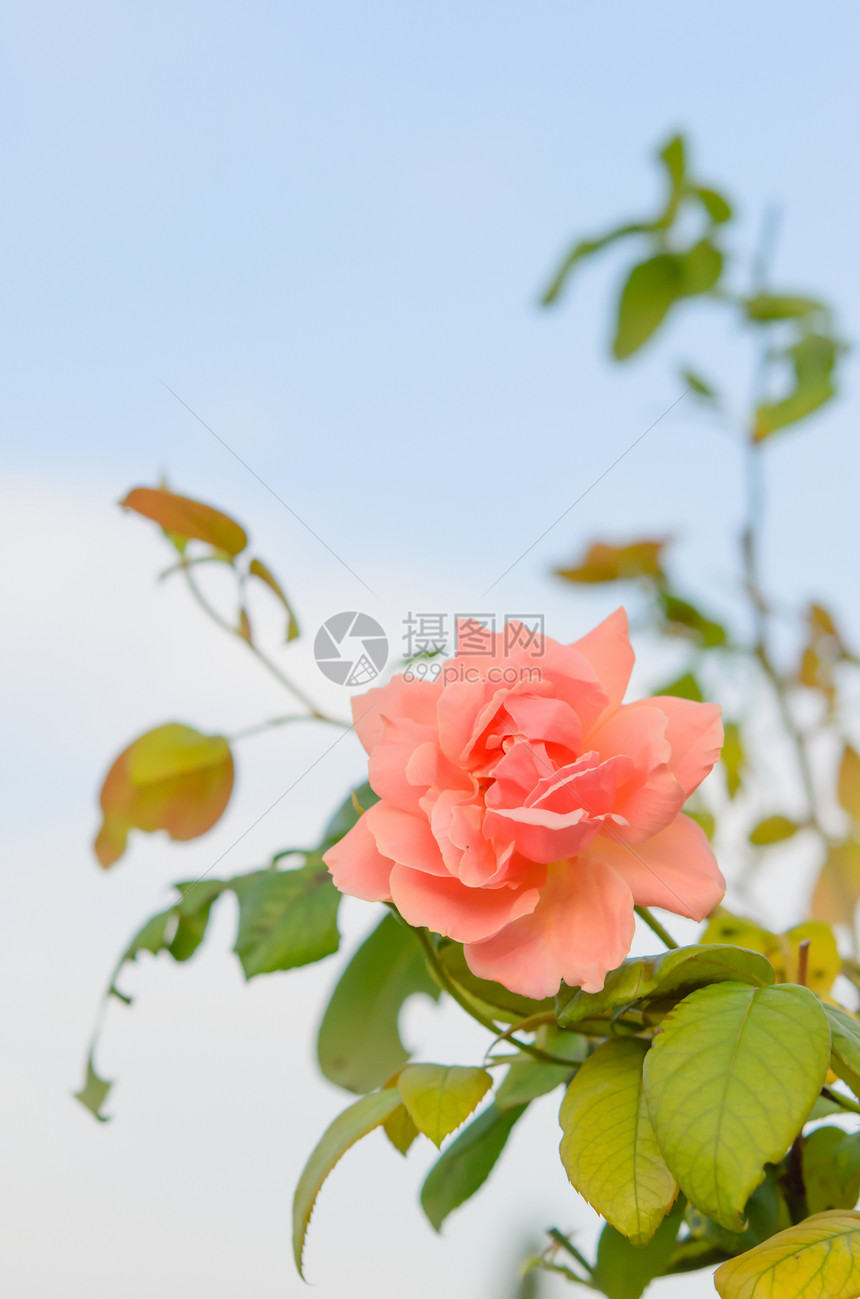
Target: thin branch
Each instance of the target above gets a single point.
(654, 925)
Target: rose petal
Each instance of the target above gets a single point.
(581, 928)
(407, 840)
(451, 908)
(397, 699)
(607, 648)
(357, 866)
(695, 734)
(390, 765)
(676, 869)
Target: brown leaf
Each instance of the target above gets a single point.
(604, 562)
(258, 569)
(849, 783)
(188, 519)
(837, 889)
(172, 778)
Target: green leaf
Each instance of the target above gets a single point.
(673, 154)
(776, 306)
(685, 687)
(151, 937)
(286, 918)
(94, 1092)
(709, 1080)
(672, 974)
(813, 360)
(467, 1163)
(673, 157)
(257, 568)
(684, 619)
(528, 1078)
(346, 815)
(356, 1122)
(717, 207)
(766, 1212)
(651, 288)
(831, 1170)
(440, 1097)
(608, 1147)
(773, 829)
(733, 758)
(701, 267)
(625, 1270)
(585, 248)
(502, 1004)
(192, 915)
(700, 386)
(816, 1259)
(704, 818)
(359, 1045)
(845, 1046)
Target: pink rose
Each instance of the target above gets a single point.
(524, 809)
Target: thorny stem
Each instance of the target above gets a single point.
(463, 1002)
(654, 925)
(297, 693)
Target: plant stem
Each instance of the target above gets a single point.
(654, 924)
(750, 547)
(463, 1002)
(279, 721)
(267, 663)
(568, 1246)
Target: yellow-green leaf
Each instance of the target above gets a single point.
(94, 1092)
(186, 518)
(775, 306)
(716, 206)
(849, 783)
(673, 974)
(172, 778)
(773, 829)
(823, 962)
(356, 1122)
(651, 288)
(845, 1046)
(400, 1129)
(733, 757)
(608, 1149)
(837, 890)
(813, 360)
(440, 1097)
(683, 687)
(818, 1258)
(258, 569)
(730, 1081)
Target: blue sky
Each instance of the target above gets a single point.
(326, 227)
